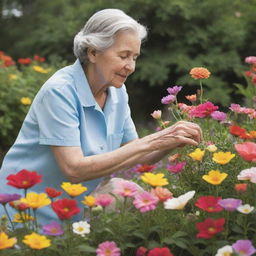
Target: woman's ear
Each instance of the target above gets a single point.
(91, 53)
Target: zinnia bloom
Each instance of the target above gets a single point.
(215, 177)
(247, 151)
(250, 60)
(174, 90)
(36, 241)
(244, 247)
(197, 155)
(160, 252)
(199, 73)
(225, 251)
(162, 193)
(25, 100)
(168, 99)
(89, 201)
(6, 198)
(34, 200)
(81, 228)
(108, 249)
(191, 98)
(52, 192)
(248, 174)
(104, 200)
(145, 201)
(125, 188)
(154, 179)
(209, 203)
(176, 168)
(65, 208)
(141, 168)
(24, 179)
(230, 204)
(219, 116)
(24, 61)
(236, 130)
(203, 110)
(246, 208)
(73, 189)
(179, 202)
(6, 242)
(53, 229)
(210, 227)
(222, 157)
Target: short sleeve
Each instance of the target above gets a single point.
(58, 118)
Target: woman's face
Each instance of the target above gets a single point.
(113, 65)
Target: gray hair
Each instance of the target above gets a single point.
(100, 30)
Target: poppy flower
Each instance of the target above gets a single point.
(52, 192)
(24, 179)
(236, 130)
(65, 208)
(160, 252)
(247, 151)
(209, 203)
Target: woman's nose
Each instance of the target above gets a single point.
(130, 65)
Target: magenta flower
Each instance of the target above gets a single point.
(250, 59)
(168, 99)
(244, 247)
(145, 201)
(174, 90)
(125, 188)
(108, 249)
(203, 110)
(230, 204)
(219, 116)
(53, 229)
(176, 168)
(104, 200)
(6, 198)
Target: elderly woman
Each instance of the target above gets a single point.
(79, 127)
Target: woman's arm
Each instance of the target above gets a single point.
(79, 168)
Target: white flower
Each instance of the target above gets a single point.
(81, 228)
(157, 114)
(246, 208)
(212, 148)
(179, 202)
(225, 251)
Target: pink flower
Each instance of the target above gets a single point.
(203, 110)
(104, 200)
(248, 174)
(176, 168)
(145, 201)
(108, 249)
(247, 151)
(157, 114)
(141, 251)
(174, 90)
(125, 188)
(219, 116)
(168, 99)
(250, 60)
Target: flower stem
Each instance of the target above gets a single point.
(8, 216)
(201, 91)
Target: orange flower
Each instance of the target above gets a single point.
(199, 73)
(241, 187)
(191, 98)
(162, 193)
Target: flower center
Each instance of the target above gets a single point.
(108, 252)
(80, 229)
(24, 182)
(54, 230)
(66, 209)
(211, 230)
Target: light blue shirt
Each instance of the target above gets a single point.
(65, 113)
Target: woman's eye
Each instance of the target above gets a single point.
(123, 57)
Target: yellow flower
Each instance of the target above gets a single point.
(212, 148)
(36, 241)
(34, 200)
(73, 189)
(25, 100)
(6, 242)
(22, 217)
(89, 201)
(12, 77)
(215, 177)
(40, 69)
(222, 157)
(197, 155)
(154, 179)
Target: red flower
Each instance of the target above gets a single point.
(242, 187)
(24, 179)
(247, 151)
(144, 168)
(18, 205)
(7, 60)
(209, 203)
(160, 252)
(24, 61)
(208, 228)
(237, 130)
(141, 251)
(52, 192)
(39, 59)
(203, 110)
(65, 208)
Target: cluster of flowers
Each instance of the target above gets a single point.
(252, 72)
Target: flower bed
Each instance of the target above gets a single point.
(200, 203)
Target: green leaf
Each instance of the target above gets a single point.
(86, 248)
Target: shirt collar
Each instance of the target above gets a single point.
(84, 91)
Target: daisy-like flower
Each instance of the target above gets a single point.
(53, 229)
(154, 179)
(230, 204)
(244, 247)
(242, 187)
(125, 188)
(215, 177)
(209, 203)
(222, 157)
(247, 151)
(145, 201)
(219, 116)
(162, 193)
(104, 200)
(6, 242)
(246, 208)
(225, 251)
(248, 174)
(157, 114)
(197, 154)
(174, 90)
(108, 249)
(176, 168)
(73, 189)
(168, 99)
(199, 73)
(89, 201)
(34, 200)
(36, 241)
(179, 202)
(81, 228)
